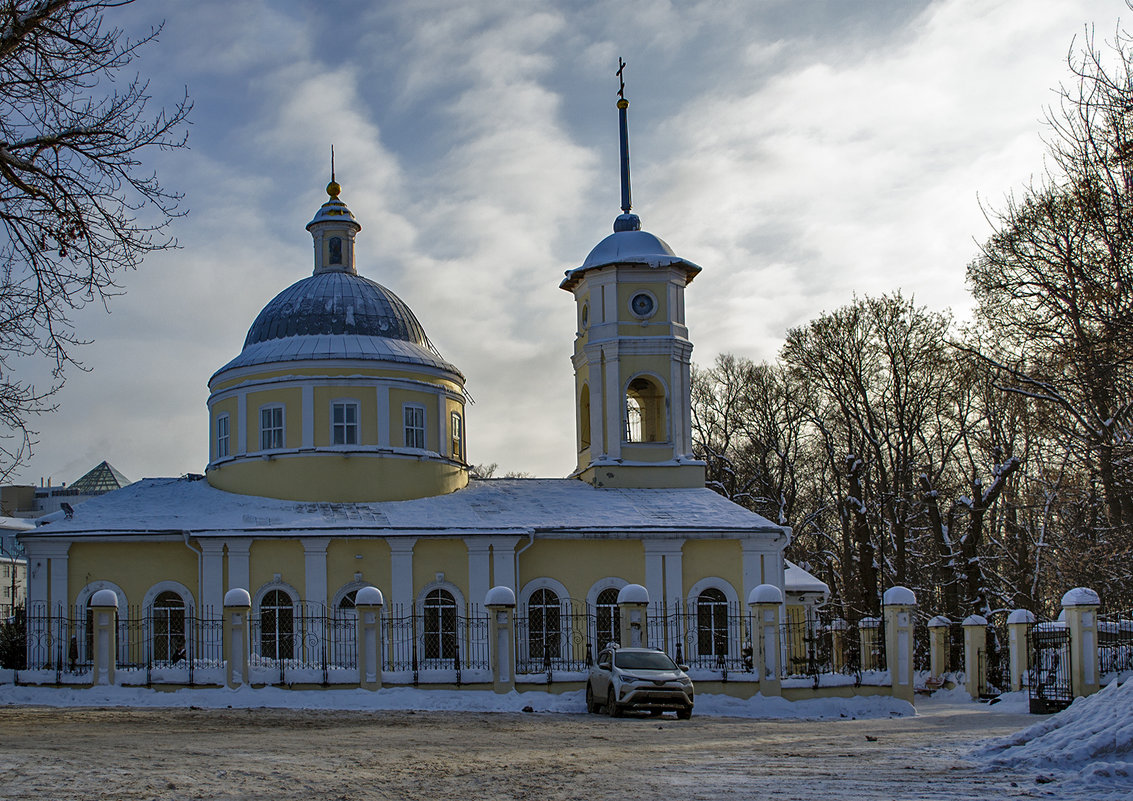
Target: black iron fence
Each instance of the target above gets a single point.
(1048, 679)
(441, 640)
(1115, 642)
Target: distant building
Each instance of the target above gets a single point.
(13, 584)
(25, 500)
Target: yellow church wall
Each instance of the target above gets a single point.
(332, 372)
(448, 556)
(367, 412)
(290, 399)
(341, 478)
(578, 564)
(657, 365)
(342, 564)
(133, 566)
(701, 559)
(285, 557)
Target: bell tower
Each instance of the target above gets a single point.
(632, 354)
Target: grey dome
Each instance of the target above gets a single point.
(337, 315)
(336, 303)
(629, 245)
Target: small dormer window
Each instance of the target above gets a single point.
(335, 250)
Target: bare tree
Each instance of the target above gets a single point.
(76, 206)
(1055, 281)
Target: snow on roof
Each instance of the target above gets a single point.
(494, 506)
(798, 580)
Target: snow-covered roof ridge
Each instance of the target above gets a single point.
(170, 505)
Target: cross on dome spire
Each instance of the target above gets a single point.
(625, 221)
(333, 189)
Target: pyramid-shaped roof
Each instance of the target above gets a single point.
(103, 478)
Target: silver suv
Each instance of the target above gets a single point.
(638, 678)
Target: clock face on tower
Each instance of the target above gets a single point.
(642, 304)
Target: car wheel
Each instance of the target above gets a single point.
(592, 706)
(612, 707)
(685, 713)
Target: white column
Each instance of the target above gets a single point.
(503, 562)
(613, 401)
(383, 415)
(37, 573)
(479, 568)
(59, 595)
(442, 426)
(315, 569)
(663, 571)
(753, 554)
(211, 592)
(401, 572)
(597, 434)
(241, 423)
(308, 410)
(239, 569)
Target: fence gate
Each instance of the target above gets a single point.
(1048, 680)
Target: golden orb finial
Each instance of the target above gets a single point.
(333, 189)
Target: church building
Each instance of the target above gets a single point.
(337, 459)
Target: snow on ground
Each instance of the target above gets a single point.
(1086, 747)
(408, 698)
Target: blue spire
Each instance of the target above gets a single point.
(625, 221)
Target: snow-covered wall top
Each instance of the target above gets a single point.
(175, 506)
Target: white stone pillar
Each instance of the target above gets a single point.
(899, 604)
(500, 602)
(239, 563)
(1080, 606)
(237, 609)
(503, 562)
(60, 597)
(479, 567)
(212, 576)
(838, 628)
(938, 629)
(315, 569)
(401, 573)
(663, 570)
(368, 606)
(633, 601)
(765, 601)
(1019, 624)
(104, 624)
(975, 644)
(614, 402)
(382, 392)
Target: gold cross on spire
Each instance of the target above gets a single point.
(621, 79)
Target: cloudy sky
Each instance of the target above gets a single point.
(800, 152)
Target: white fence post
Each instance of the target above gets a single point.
(633, 600)
(500, 602)
(899, 603)
(368, 605)
(237, 609)
(1019, 625)
(975, 643)
(765, 601)
(1080, 606)
(104, 614)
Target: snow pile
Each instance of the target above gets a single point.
(408, 698)
(1088, 746)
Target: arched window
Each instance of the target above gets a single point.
(712, 623)
(608, 618)
(277, 626)
(346, 605)
(584, 418)
(645, 411)
(335, 250)
(167, 618)
(439, 608)
(544, 626)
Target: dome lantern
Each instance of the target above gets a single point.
(333, 230)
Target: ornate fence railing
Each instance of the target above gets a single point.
(1115, 642)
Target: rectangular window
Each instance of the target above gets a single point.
(414, 426)
(344, 423)
(457, 436)
(271, 427)
(222, 436)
